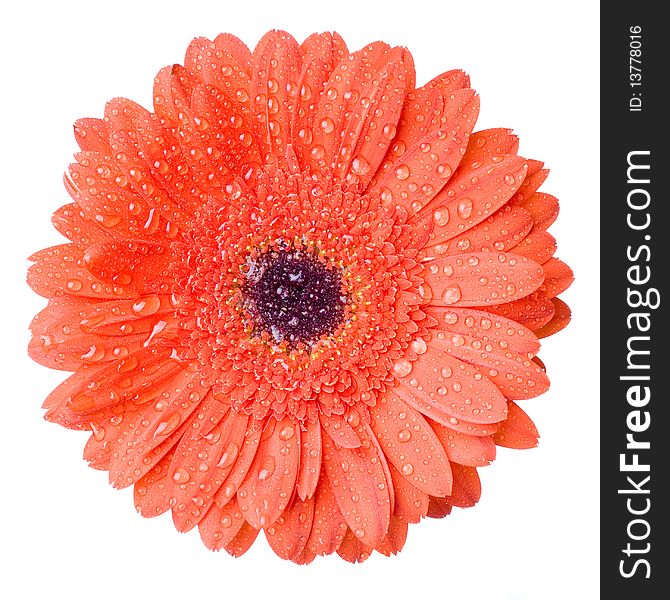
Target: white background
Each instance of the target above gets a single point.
(66, 533)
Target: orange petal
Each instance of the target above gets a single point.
(275, 72)
(351, 81)
(501, 231)
(224, 63)
(152, 492)
(558, 277)
(219, 526)
(92, 135)
(139, 438)
(70, 222)
(173, 86)
(63, 340)
(438, 508)
(516, 376)
(466, 449)
(242, 465)
(411, 504)
(372, 125)
(450, 81)
(534, 179)
(360, 486)
(561, 318)
(310, 460)
(517, 431)
(489, 143)
(288, 536)
(61, 270)
(321, 53)
(147, 267)
(124, 116)
(268, 486)
(167, 164)
(487, 328)
(420, 116)
(410, 445)
(481, 278)
(543, 207)
(339, 430)
(448, 390)
(532, 312)
(467, 487)
(242, 541)
(203, 461)
(472, 196)
(421, 172)
(328, 525)
(353, 550)
(104, 195)
(538, 245)
(395, 539)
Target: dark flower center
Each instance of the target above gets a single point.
(294, 297)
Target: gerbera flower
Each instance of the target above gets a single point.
(301, 296)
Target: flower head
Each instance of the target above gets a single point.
(301, 296)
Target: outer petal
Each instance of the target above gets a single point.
(503, 230)
(411, 445)
(140, 439)
(467, 487)
(277, 64)
(328, 525)
(538, 245)
(488, 328)
(411, 504)
(268, 486)
(310, 460)
(395, 538)
(354, 550)
(220, 525)
(470, 197)
(532, 312)
(470, 450)
(288, 536)
(61, 270)
(152, 491)
(561, 318)
(339, 431)
(420, 173)
(481, 278)
(558, 277)
(516, 376)
(321, 53)
(517, 431)
(448, 390)
(203, 461)
(242, 541)
(360, 486)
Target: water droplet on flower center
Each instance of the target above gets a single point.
(294, 296)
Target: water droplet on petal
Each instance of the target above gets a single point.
(419, 346)
(464, 208)
(267, 468)
(402, 172)
(327, 125)
(451, 295)
(441, 216)
(181, 475)
(404, 435)
(443, 171)
(402, 368)
(407, 469)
